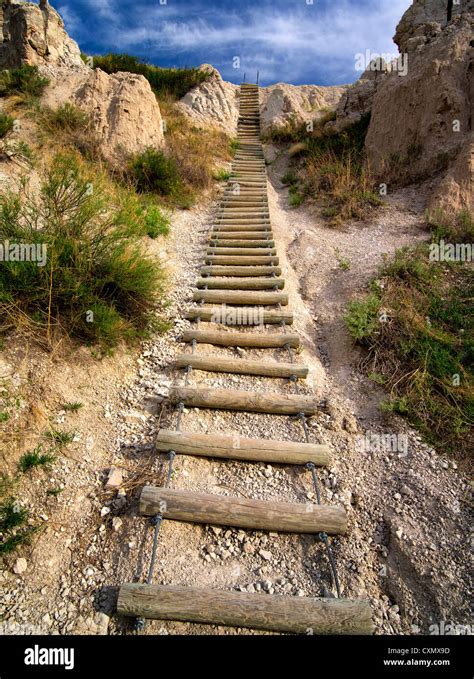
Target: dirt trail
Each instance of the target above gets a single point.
(408, 525)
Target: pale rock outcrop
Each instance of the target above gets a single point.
(424, 19)
(125, 114)
(213, 103)
(422, 122)
(36, 36)
(282, 104)
(357, 99)
(216, 103)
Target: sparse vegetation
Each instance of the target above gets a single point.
(417, 325)
(97, 283)
(166, 82)
(188, 165)
(6, 124)
(72, 407)
(35, 459)
(330, 169)
(69, 127)
(24, 80)
(222, 175)
(60, 438)
(13, 532)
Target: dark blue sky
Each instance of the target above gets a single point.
(286, 40)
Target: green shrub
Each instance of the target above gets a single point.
(362, 318)
(289, 178)
(35, 459)
(175, 82)
(23, 80)
(152, 171)
(65, 118)
(296, 197)
(222, 175)
(6, 124)
(97, 283)
(156, 222)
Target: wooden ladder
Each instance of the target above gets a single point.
(241, 285)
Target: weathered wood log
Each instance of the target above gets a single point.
(218, 364)
(240, 448)
(239, 260)
(240, 316)
(243, 271)
(244, 252)
(261, 340)
(240, 297)
(271, 612)
(216, 283)
(255, 244)
(221, 510)
(220, 234)
(247, 401)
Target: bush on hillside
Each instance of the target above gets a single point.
(96, 282)
(24, 80)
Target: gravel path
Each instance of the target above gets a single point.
(407, 509)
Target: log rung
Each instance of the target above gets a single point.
(248, 252)
(244, 271)
(261, 340)
(241, 366)
(222, 510)
(229, 283)
(250, 297)
(219, 234)
(247, 401)
(271, 612)
(243, 316)
(240, 448)
(242, 260)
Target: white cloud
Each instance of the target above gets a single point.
(285, 43)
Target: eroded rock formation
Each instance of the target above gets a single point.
(35, 35)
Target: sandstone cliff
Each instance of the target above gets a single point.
(35, 36)
(421, 124)
(214, 102)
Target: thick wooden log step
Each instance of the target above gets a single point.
(262, 340)
(239, 260)
(238, 297)
(221, 510)
(239, 235)
(233, 228)
(244, 271)
(246, 252)
(236, 447)
(223, 243)
(216, 283)
(271, 612)
(217, 364)
(243, 316)
(247, 401)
